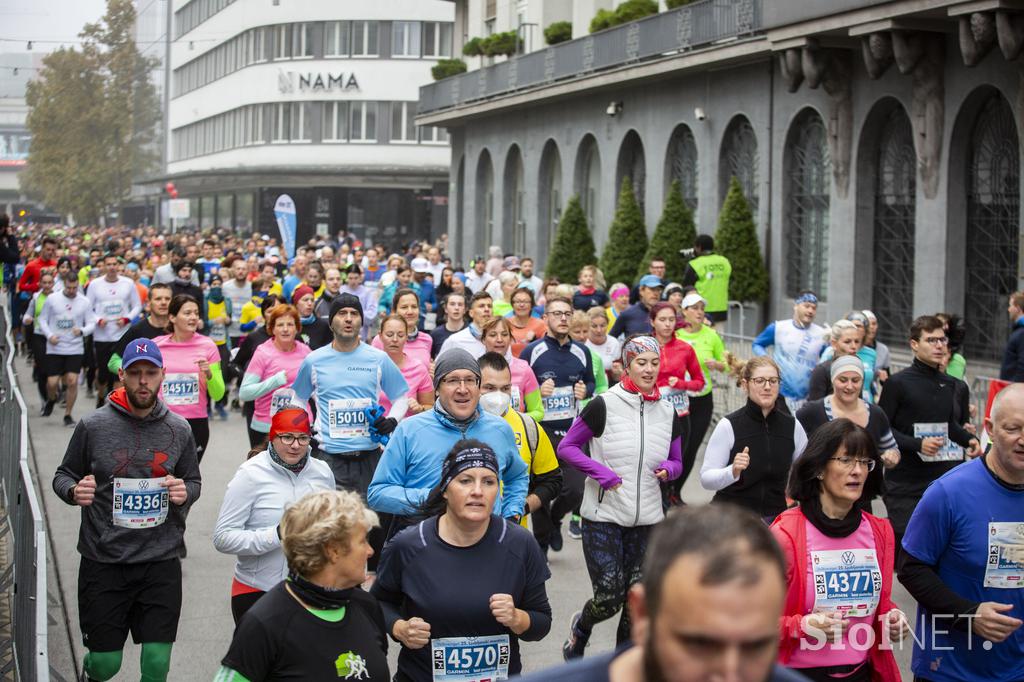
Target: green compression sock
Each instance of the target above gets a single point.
(156, 661)
(101, 665)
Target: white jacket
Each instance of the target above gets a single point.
(253, 505)
(637, 438)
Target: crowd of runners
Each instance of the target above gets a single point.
(422, 437)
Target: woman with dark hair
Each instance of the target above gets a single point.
(444, 287)
(191, 369)
(839, 562)
(418, 344)
(463, 586)
(451, 320)
(526, 328)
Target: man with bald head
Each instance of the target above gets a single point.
(963, 559)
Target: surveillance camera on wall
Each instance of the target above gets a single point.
(613, 108)
(699, 114)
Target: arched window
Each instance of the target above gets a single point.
(588, 178)
(993, 225)
(739, 158)
(485, 198)
(892, 298)
(631, 165)
(549, 194)
(681, 164)
(808, 179)
(515, 200)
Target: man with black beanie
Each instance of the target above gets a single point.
(345, 378)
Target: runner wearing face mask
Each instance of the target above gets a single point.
(534, 445)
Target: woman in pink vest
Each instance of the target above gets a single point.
(839, 618)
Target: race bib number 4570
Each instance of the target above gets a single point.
(470, 659)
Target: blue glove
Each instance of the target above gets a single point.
(380, 426)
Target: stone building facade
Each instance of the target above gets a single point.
(878, 142)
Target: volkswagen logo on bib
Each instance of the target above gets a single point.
(847, 557)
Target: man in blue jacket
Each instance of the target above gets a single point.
(1013, 356)
(411, 464)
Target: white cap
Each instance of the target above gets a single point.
(420, 264)
(692, 299)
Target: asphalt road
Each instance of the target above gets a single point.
(206, 625)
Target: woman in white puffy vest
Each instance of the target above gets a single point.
(635, 443)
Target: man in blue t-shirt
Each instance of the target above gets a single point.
(345, 378)
(963, 560)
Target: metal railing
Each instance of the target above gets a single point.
(23, 581)
(698, 24)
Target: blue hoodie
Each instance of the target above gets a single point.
(411, 464)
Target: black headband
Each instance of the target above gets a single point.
(470, 458)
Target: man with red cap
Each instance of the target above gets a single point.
(255, 500)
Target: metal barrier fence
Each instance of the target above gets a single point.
(697, 24)
(23, 581)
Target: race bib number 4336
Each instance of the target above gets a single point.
(139, 502)
(470, 659)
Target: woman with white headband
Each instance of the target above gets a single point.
(635, 443)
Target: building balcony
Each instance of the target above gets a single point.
(700, 24)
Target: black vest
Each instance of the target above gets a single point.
(762, 486)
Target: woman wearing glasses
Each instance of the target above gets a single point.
(256, 499)
(839, 618)
(748, 457)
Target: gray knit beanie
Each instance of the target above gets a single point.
(454, 359)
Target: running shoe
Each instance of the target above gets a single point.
(68, 421)
(555, 539)
(222, 414)
(575, 529)
(577, 642)
(47, 408)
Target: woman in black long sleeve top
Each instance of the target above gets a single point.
(463, 572)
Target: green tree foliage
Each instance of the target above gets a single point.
(627, 238)
(93, 115)
(506, 43)
(446, 68)
(558, 32)
(472, 47)
(736, 239)
(675, 231)
(574, 245)
(631, 10)
(673, 4)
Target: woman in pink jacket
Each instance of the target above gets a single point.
(839, 618)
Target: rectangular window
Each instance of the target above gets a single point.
(405, 39)
(282, 42)
(364, 122)
(280, 122)
(403, 127)
(300, 131)
(435, 135)
(336, 38)
(437, 39)
(335, 122)
(259, 45)
(302, 40)
(364, 38)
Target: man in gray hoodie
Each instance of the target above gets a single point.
(132, 467)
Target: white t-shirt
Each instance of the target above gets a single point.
(113, 302)
(609, 351)
(59, 317)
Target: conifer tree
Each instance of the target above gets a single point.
(574, 245)
(675, 231)
(736, 239)
(627, 238)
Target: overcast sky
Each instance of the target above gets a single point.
(45, 20)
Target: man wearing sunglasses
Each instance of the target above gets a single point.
(927, 410)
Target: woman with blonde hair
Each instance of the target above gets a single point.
(748, 457)
(588, 294)
(298, 629)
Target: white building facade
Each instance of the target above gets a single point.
(311, 98)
